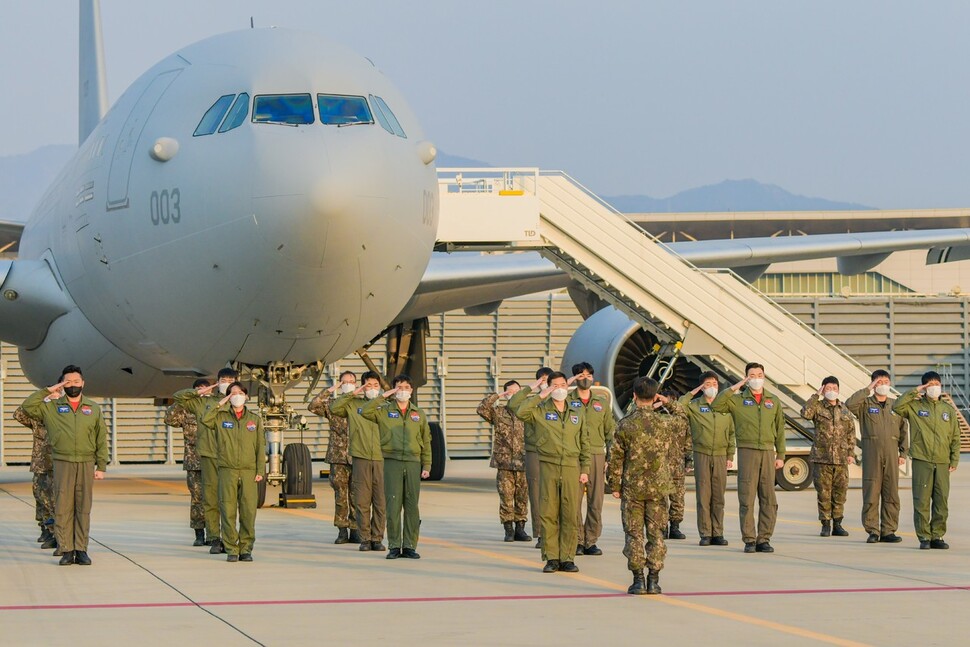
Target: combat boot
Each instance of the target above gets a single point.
(653, 582)
(199, 537)
(837, 528)
(217, 547)
(826, 529)
(509, 532)
(675, 532)
(538, 542)
(639, 586)
(50, 543)
(354, 536)
(520, 534)
(342, 537)
(45, 534)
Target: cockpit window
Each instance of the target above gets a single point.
(212, 117)
(341, 110)
(237, 114)
(286, 109)
(389, 121)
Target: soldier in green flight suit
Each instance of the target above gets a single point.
(198, 402)
(759, 427)
(712, 438)
(531, 456)
(241, 459)
(597, 404)
(639, 475)
(832, 452)
(564, 463)
(406, 445)
(935, 449)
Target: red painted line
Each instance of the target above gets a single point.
(898, 589)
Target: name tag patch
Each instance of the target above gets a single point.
(228, 425)
(597, 407)
(575, 404)
(251, 426)
(574, 419)
(705, 409)
(748, 403)
(393, 414)
(874, 409)
(552, 416)
(416, 417)
(86, 410)
(62, 408)
(923, 414)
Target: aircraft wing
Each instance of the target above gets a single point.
(10, 232)
(479, 282)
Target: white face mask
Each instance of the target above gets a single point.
(882, 389)
(934, 391)
(831, 396)
(238, 400)
(370, 394)
(403, 396)
(347, 387)
(223, 387)
(559, 394)
(710, 391)
(756, 383)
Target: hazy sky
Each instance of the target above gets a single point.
(862, 101)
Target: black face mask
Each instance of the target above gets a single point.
(72, 391)
(584, 382)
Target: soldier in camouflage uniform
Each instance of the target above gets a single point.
(338, 455)
(639, 475)
(680, 452)
(178, 416)
(832, 451)
(508, 457)
(42, 466)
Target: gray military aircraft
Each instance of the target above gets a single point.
(268, 199)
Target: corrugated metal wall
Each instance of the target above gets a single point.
(470, 356)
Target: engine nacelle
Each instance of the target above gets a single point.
(620, 352)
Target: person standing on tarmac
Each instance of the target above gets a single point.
(832, 452)
(712, 437)
(760, 431)
(406, 445)
(680, 454)
(42, 467)
(562, 443)
(935, 449)
(508, 459)
(241, 460)
(883, 453)
(597, 405)
(79, 447)
(198, 402)
(639, 475)
(367, 467)
(178, 416)
(531, 455)
(338, 456)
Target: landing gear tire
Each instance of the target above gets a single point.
(438, 452)
(795, 474)
(298, 469)
(261, 493)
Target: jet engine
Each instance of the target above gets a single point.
(620, 351)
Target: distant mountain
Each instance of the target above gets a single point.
(24, 178)
(729, 195)
(444, 160)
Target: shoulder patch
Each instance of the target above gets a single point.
(228, 425)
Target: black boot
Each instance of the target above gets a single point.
(520, 534)
(826, 529)
(538, 542)
(342, 537)
(354, 536)
(67, 558)
(216, 548)
(45, 534)
(50, 543)
(509, 532)
(653, 582)
(639, 586)
(837, 528)
(199, 537)
(675, 532)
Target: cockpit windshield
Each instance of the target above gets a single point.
(286, 109)
(342, 110)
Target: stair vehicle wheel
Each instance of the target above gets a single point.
(795, 474)
(297, 469)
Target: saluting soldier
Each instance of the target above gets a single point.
(42, 467)
(639, 475)
(338, 456)
(597, 404)
(884, 445)
(531, 455)
(680, 453)
(406, 445)
(79, 447)
(712, 438)
(935, 449)
(241, 447)
(564, 463)
(508, 459)
(367, 468)
(178, 416)
(832, 452)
